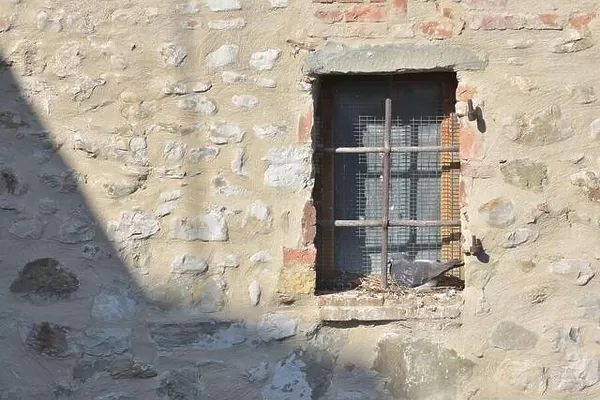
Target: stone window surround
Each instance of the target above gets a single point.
(338, 58)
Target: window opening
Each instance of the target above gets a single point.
(387, 174)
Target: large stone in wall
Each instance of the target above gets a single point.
(420, 370)
(211, 227)
(45, 278)
(133, 225)
(576, 271)
(127, 368)
(510, 336)
(51, 340)
(543, 127)
(76, 227)
(523, 375)
(301, 375)
(276, 327)
(288, 168)
(259, 218)
(104, 342)
(575, 373)
(525, 173)
(113, 304)
(589, 183)
(298, 274)
(208, 335)
(10, 182)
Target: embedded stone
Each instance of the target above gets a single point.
(127, 368)
(45, 278)
(227, 24)
(419, 369)
(574, 374)
(113, 304)
(67, 60)
(198, 103)
(254, 293)
(589, 182)
(231, 77)
(206, 335)
(261, 257)
(11, 183)
(133, 225)
(28, 228)
(174, 172)
(525, 173)
(188, 264)
(50, 340)
(260, 373)
(265, 82)
(228, 261)
(519, 237)
(209, 296)
(224, 188)
(225, 132)
(498, 212)
(245, 101)
(510, 336)
(84, 88)
(259, 218)
(239, 161)
(224, 55)
(169, 201)
(103, 342)
(77, 227)
(573, 42)
(207, 228)
(582, 94)
(289, 168)
(523, 375)
(121, 188)
(201, 154)
(279, 3)
(180, 88)
(183, 383)
(544, 127)
(174, 151)
(264, 60)
(224, 5)
(269, 131)
(276, 327)
(578, 271)
(173, 54)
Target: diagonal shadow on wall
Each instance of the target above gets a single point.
(76, 323)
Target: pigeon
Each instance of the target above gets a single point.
(414, 273)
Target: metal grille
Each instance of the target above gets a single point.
(422, 191)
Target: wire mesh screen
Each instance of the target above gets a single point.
(423, 185)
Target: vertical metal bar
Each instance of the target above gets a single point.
(385, 218)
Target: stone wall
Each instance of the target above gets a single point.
(155, 200)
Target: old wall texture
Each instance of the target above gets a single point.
(156, 225)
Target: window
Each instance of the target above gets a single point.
(355, 229)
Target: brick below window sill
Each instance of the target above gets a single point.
(360, 306)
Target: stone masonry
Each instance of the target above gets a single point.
(156, 220)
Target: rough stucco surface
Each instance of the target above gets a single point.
(155, 216)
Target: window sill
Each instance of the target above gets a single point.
(361, 306)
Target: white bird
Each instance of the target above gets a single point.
(414, 273)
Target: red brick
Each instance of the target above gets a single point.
(365, 14)
(309, 224)
(508, 21)
(299, 256)
(305, 125)
(441, 29)
(471, 144)
(329, 16)
(581, 20)
(400, 5)
(464, 93)
(284, 221)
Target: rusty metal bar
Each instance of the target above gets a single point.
(405, 149)
(368, 223)
(385, 218)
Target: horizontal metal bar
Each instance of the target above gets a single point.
(404, 149)
(378, 222)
